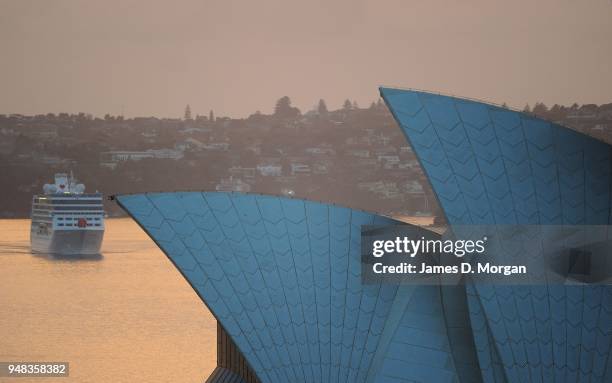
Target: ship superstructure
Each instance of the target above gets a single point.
(66, 220)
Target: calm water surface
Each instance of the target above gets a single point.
(127, 316)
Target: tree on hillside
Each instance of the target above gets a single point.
(527, 109)
(556, 112)
(347, 105)
(322, 108)
(284, 109)
(211, 116)
(187, 115)
(540, 108)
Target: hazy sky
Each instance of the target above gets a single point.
(236, 57)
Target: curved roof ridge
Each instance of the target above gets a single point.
(485, 102)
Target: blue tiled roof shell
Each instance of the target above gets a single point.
(490, 165)
(283, 277)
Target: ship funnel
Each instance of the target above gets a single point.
(61, 182)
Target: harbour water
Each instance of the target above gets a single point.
(126, 316)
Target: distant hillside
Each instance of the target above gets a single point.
(351, 156)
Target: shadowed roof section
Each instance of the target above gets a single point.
(489, 165)
(283, 277)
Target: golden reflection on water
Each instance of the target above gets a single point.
(127, 316)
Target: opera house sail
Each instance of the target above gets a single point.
(492, 166)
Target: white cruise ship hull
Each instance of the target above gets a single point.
(66, 220)
(67, 242)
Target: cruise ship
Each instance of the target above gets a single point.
(66, 220)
